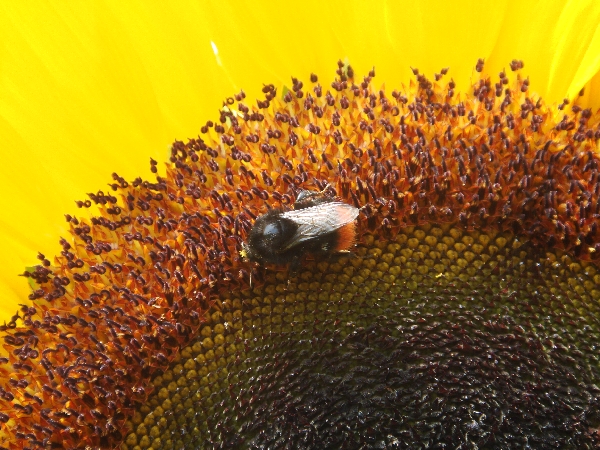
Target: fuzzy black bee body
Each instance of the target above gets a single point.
(317, 225)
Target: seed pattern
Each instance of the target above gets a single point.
(133, 284)
(438, 337)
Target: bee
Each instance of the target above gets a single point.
(318, 225)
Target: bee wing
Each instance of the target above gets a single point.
(318, 220)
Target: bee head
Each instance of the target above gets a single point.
(267, 237)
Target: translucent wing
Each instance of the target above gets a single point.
(318, 220)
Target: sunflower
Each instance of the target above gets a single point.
(468, 315)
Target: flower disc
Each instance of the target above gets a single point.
(468, 316)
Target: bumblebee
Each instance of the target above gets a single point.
(318, 225)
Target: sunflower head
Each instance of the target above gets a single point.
(468, 315)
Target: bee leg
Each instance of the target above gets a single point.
(322, 192)
(305, 195)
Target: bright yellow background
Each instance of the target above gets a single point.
(93, 87)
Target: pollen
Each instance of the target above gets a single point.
(467, 313)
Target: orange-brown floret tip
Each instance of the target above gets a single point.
(132, 284)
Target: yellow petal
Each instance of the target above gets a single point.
(556, 40)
